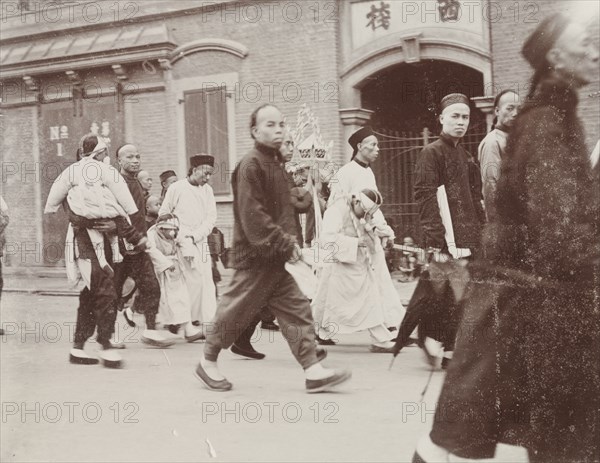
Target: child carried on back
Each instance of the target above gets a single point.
(93, 190)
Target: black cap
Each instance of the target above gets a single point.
(202, 160)
(167, 174)
(543, 38)
(453, 98)
(358, 137)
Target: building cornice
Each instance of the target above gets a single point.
(227, 46)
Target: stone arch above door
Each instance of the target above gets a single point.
(354, 75)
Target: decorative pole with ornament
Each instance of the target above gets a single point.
(313, 154)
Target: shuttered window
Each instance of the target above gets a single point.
(206, 131)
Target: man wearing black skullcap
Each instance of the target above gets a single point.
(448, 191)
(167, 178)
(526, 368)
(355, 176)
(192, 200)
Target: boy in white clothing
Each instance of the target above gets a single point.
(175, 301)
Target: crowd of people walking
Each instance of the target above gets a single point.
(510, 289)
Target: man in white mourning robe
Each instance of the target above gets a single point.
(351, 295)
(353, 177)
(192, 201)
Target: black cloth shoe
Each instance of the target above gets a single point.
(173, 329)
(196, 323)
(391, 329)
(322, 385)
(1, 332)
(269, 326)
(214, 385)
(381, 350)
(321, 354)
(196, 337)
(417, 458)
(110, 359)
(326, 342)
(247, 352)
(79, 357)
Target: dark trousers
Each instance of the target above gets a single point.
(139, 267)
(265, 315)
(98, 304)
(249, 291)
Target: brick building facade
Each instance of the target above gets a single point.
(177, 78)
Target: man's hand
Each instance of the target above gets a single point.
(105, 225)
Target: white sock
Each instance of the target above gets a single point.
(429, 451)
(448, 354)
(317, 371)
(211, 369)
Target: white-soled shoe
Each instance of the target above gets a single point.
(110, 358)
(156, 339)
(79, 357)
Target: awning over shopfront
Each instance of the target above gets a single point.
(85, 49)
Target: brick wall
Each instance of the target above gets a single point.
(18, 184)
(293, 49)
(287, 47)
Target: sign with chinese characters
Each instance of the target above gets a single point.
(463, 19)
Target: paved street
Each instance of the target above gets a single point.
(155, 410)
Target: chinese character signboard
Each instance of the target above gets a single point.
(461, 19)
(379, 16)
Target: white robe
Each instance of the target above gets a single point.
(196, 209)
(349, 179)
(352, 178)
(175, 303)
(355, 290)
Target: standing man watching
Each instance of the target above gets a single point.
(264, 240)
(138, 265)
(448, 191)
(492, 147)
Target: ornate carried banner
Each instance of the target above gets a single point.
(312, 154)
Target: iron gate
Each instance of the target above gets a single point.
(394, 171)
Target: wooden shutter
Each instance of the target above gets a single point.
(206, 131)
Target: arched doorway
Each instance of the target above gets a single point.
(405, 99)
